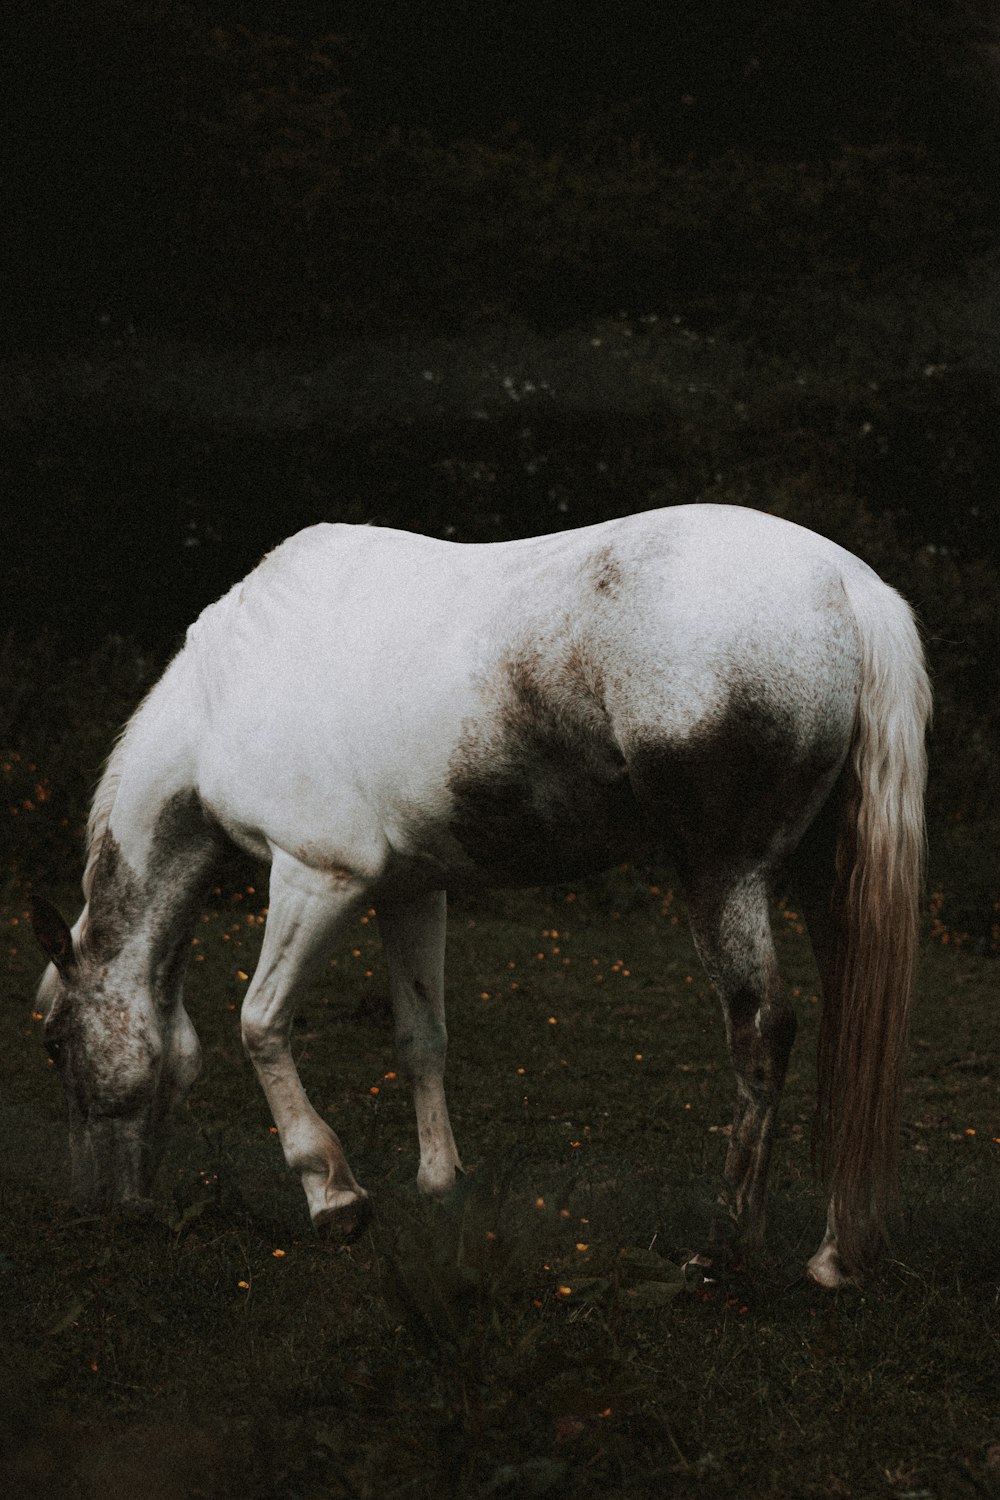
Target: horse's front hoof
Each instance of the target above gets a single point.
(344, 1222)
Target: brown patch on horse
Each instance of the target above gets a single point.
(606, 572)
(539, 786)
(116, 903)
(337, 868)
(185, 842)
(725, 791)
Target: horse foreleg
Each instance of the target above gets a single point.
(413, 935)
(731, 928)
(305, 909)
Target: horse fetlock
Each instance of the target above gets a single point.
(740, 1216)
(438, 1177)
(315, 1154)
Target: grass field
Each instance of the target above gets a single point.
(535, 1335)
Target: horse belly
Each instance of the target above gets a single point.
(518, 822)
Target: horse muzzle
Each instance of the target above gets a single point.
(112, 1165)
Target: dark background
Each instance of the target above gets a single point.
(482, 271)
(247, 170)
(485, 270)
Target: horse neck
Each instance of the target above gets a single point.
(152, 845)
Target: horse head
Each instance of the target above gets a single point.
(125, 1058)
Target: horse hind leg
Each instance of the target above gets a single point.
(731, 926)
(305, 909)
(413, 937)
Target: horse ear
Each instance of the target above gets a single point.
(53, 936)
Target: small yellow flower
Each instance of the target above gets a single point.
(277, 1254)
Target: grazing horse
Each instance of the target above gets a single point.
(382, 715)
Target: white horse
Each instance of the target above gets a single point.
(382, 716)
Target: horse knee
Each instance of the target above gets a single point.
(262, 1041)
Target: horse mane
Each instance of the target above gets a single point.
(110, 780)
(100, 809)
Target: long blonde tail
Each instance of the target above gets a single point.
(879, 876)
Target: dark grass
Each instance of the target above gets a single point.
(437, 1355)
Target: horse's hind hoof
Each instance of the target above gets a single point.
(344, 1222)
(697, 1266)
(826, 1269)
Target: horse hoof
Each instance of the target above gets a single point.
(695, 1265)
(345, 1222)
(825, 1270)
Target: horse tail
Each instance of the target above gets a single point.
(879, 867)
